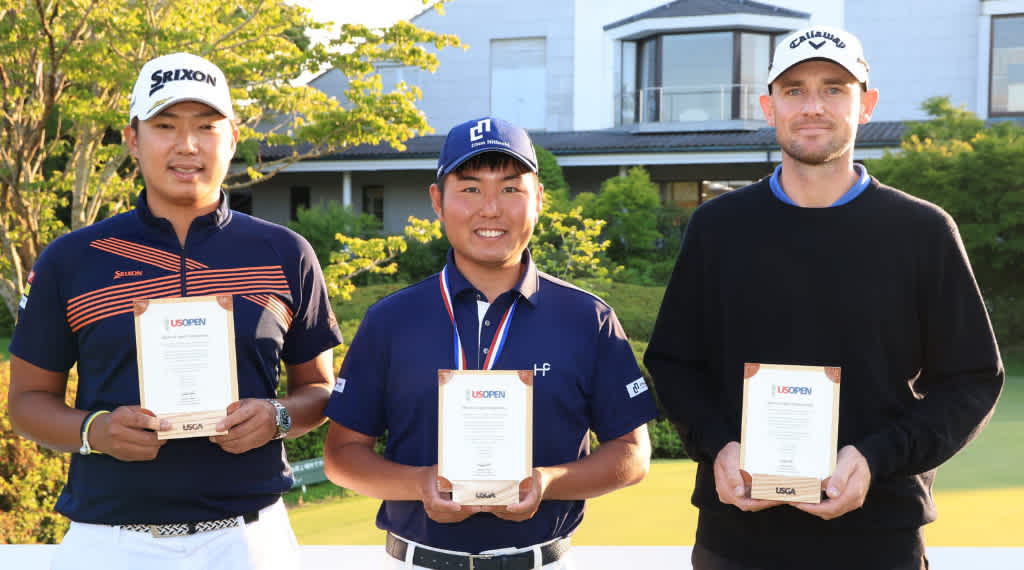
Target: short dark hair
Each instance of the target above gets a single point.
(487, 161)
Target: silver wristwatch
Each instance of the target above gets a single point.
(284, 419)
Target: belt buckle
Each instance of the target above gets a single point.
(475, 557)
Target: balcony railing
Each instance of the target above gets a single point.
(691, 103)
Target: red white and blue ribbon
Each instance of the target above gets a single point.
(500, 336)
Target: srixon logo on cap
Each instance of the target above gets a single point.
(161, 78)
(812, 35)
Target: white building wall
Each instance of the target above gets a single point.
(596, 70)
(460, 89)
(919, 49)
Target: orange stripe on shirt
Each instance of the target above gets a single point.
(145, 254)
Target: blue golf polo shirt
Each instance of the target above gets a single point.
(79, 310)
(585, 378)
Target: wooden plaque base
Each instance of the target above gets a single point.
(783, 488)
(192, 424)
(484, 492)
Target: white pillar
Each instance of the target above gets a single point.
(622, 171)
(346, 188)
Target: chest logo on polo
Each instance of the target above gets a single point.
(123, 274)
(541, 370)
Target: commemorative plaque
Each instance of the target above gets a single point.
(186, 358)
(790, 430)
(485, 434)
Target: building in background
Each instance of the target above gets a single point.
(606, 85)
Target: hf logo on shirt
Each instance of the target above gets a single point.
(542, 370)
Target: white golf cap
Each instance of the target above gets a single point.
(178, 77)
(820, 42)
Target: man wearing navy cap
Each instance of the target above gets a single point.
(489, 197)
(822, 265)
(136, 501)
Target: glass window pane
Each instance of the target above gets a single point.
(1007, 65)
(697, 76)
(648, 78)
(755, 50)
(627, 102)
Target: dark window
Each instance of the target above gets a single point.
(241, 200)
(373, 201)
(1006, 82)
(299, 197)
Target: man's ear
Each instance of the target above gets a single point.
(130, 138)
(766, 107)
(868, 100)
(436, 197)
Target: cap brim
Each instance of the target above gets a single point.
(161, 105)
(861, 77)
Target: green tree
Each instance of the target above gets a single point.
(31, 478)
(568, 246)
(556, 190)
(356, 256)
(322, 224)
(975, 172)
(66, 72)
(630, 205)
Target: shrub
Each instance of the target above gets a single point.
(665, 442)
(319, 225)
(31, 478)
(630, 206)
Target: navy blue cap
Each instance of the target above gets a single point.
(487, 134)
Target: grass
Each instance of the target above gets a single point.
(4, 342)
(979, 493)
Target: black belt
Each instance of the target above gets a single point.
(429, 558)
(188, 529)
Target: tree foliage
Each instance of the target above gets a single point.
(975, 172)
(66, 72)
(321, 225)
(568, 246)
(31, 478)
(356, 255)
(630, 205)
(556, 189)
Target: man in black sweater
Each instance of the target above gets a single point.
(820, 264)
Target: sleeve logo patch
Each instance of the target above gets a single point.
(636, 387)
(339, 385)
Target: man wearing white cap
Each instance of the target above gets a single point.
(822, 265)
(136, 501)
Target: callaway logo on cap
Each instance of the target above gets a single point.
(820, 42)
(178, 77)
(485, 135)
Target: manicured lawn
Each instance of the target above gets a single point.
(979, 493)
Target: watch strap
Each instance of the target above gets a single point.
(282, 419)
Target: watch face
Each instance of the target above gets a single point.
(285, 419)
